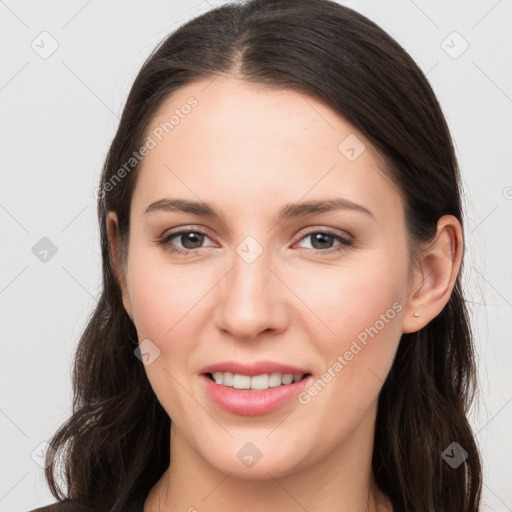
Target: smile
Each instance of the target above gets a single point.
(236, 394)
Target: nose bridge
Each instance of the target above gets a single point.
(248, 301)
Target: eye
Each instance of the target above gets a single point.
(191, 240)
(322, 240)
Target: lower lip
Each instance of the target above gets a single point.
(253, 402)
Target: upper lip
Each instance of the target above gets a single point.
(254, 368)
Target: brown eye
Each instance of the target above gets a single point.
(322, 241)
(189, 239)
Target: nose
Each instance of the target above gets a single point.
(252, 299)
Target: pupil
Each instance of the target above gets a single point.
(194, 238)
(319, 237)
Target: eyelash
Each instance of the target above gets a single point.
(165, 242)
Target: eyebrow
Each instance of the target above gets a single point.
(288, 211)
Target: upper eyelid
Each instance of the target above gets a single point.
(333, 231)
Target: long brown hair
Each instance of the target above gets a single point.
(116, 443)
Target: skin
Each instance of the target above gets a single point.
(249, 150)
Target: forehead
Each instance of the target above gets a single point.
(230, 140)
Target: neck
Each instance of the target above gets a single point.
(340, 481)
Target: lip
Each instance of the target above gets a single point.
(253, 402)
(254, 368)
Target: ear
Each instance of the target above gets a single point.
(115, 258)
(435, 274)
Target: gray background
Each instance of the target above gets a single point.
(59, 115)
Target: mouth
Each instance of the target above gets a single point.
(260, 382)
(254, 395)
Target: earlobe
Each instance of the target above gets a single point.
(115, 259)
(435, 276)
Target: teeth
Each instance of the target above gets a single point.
(260, 382)
(241, 381)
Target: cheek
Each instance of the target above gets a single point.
(162, 296)
(348, 300)
(364, 311)
(166, 302)
(362, 308)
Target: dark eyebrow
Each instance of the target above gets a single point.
(290, 210)
(320, 206)
(184, 205)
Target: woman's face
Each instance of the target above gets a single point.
(322, 290)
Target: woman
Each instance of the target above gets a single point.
(282, 323)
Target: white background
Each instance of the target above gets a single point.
(59, 115)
